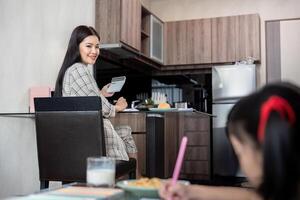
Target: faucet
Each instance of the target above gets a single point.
(133, 103)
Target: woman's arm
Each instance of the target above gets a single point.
(201, 192)
(83, 84)
(222, 193)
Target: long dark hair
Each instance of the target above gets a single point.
(73, 55)
(277, 137)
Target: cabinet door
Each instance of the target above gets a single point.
(176, 47)
(140, 142)
(188, 42)
(224, 39)
(156, 39)
(247, 37)
(198, 41)
(131, 23)
(107, 21)
(197, 158)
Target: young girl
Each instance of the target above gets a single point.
(263, 129)
(74, 79)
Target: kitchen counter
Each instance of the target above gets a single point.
(130, 110)
(157, 136)
(19, 114)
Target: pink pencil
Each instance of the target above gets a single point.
(179, 160)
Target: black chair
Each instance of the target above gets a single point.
(68, 130)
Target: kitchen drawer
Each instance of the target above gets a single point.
(198, 138)
(195, 167)
(195, 176)
(197, 153)
(196, 123)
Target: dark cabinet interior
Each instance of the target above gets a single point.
(136, 82)
(196, 88)
(145, 32)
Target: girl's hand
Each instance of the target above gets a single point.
(175, 192)
(121, 104)
(104, 91)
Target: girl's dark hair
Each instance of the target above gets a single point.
(281, 142)
(72, 55)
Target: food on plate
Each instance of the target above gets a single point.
(164, 105)
(146, 182)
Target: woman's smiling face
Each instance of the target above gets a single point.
(89, 49)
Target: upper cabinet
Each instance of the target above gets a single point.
(119, 21)
(215, 40)
(188, 42)
(175, 43)
(199, 41)
(224, 39)
(156, 39)
(128, 25)
(152, 36)
(145, 32)
(248, 37)
(235, 38)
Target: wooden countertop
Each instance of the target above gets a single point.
(167, 111)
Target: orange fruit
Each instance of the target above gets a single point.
(164, 105)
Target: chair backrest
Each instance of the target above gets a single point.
(68, 130)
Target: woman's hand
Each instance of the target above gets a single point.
(178, 191)
(104, 91)
(121, 104)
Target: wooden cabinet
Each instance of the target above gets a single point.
(137, 122)
(235, 38)
(129, 30)
(171, 127)
(188, 42)
(195, 126)
(176, 48)
(215, 40)
(156, 39)
(223, 39)
(248, 37)
(198, 41)
(145, 32)
(197, 161)
(119, 21)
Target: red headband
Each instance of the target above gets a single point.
(278, 104)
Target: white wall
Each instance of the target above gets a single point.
(290, 48)
(33, 40)
(172, 10)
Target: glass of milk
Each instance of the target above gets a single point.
(100, 171)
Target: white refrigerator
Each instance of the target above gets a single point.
(229, 84)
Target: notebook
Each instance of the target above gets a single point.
(78, 193)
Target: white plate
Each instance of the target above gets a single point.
(137, 192)
(163, 109)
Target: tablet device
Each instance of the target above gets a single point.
(116, 84)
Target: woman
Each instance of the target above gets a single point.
(263, 129)
(74, 79)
